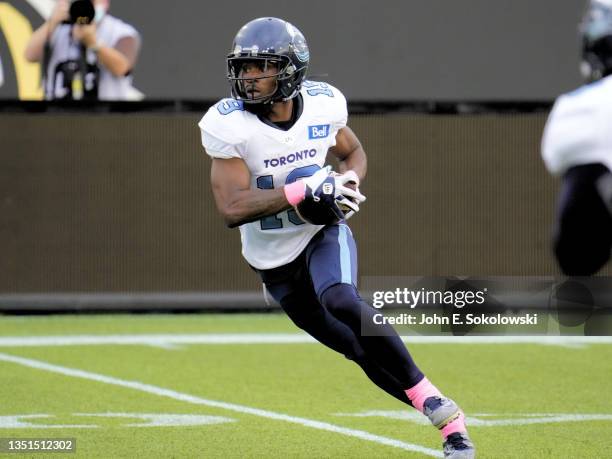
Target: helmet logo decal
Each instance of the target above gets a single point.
(302, 55)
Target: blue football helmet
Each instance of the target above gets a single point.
(264, 41)
(596, 33)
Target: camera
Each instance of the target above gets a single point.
(81, 12)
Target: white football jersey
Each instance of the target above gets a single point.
(275, 158)
(579, 128)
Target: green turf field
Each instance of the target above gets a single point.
(163, 397)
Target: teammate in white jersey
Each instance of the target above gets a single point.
(577, 145)
(268, 145)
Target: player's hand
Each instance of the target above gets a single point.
(347, 206)
(296, 192)
(315, 180)
(348, 196)
(347, 185)
(343, 185)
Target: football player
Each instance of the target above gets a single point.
(577, 145)
(268, 145)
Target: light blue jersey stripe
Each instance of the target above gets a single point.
(345, 255)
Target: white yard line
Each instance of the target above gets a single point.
(162, 392)
(165, 340)
(170, 340)
(475, 420)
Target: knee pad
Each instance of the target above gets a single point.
(341, 299)
(302, 311)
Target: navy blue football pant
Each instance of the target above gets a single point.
(583, 231)
(317, 291)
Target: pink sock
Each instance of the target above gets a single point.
(421, 392)
(458, 425)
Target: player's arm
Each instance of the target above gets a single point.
(350, 153)
(236, 201)
(239, 203)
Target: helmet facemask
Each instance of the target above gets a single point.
(240, 85)
(264, 41)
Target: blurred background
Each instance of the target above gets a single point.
(108, 205)
(393, 51)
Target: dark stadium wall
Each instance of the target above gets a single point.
(107, 202)
(373, 51)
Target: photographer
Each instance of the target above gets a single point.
(86, 53)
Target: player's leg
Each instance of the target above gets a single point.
(583, 232)
(381, 343)
(332, 263)
(291, 287)
(306, 312)
(388, 351)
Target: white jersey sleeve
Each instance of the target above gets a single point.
(334, 103)
(223, 130)
(578, 128)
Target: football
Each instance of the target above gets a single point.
(320, 206)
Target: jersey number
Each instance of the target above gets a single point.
(315, 88)
(266, 182)
(227, 106)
